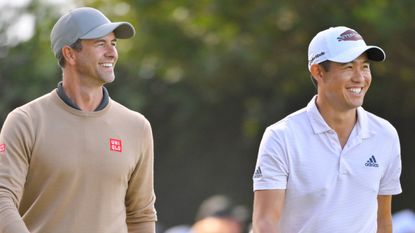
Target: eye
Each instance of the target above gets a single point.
(348, 66)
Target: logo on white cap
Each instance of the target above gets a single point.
(349, 35)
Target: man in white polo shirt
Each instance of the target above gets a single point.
(331, 167)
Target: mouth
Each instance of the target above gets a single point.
(107, 64)
(355, 90)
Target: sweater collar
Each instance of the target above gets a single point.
(68, 101)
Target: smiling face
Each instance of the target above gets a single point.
(343, 86)
(97, 59)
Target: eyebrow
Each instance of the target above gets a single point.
(103, 40)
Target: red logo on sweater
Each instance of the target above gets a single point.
(2, 148)
(115, 145)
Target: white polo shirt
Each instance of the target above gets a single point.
(329, 189)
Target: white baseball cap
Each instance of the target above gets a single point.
(340, 44)
(86, 23)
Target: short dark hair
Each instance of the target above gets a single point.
(77, 45)
(326, 66)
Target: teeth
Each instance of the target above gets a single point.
(356, 90)
(107, 64)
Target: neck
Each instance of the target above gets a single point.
(342, 122)
(86, 96)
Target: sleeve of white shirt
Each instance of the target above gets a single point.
(271, 170)
(390, 183)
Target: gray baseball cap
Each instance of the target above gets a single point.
(86, 23)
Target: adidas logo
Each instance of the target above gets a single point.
(372, 162)
(258, 173)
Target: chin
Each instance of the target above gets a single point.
(356, 104)
(108, 79)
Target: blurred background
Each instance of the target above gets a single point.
(210, 75)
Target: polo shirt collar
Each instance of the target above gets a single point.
(363, 123)
(319, 125)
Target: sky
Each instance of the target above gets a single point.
(13, 3)
(20, 3)
(21, 26)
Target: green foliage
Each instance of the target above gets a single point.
(212, 74)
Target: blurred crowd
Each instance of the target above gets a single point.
(404, 221)
(216, 214)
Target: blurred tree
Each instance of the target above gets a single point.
(212, 74)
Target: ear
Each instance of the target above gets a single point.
(317, 72)
(69, 55)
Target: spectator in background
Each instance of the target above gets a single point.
(216, 225)
(217, 214)
(404, 221)
(179, 229)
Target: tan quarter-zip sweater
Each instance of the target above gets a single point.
(67, 171)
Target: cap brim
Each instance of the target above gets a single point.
(122, 30)
(374, 53)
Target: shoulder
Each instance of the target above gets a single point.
(29, 109)
(294, 127)
(291, 123)
(378, 124)
(22, 120)
(126, 114)
(40, 102)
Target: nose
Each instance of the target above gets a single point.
(111, 51)
(360, 75)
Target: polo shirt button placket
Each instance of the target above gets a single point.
(342, 166)
(334, 141)
(342, 163)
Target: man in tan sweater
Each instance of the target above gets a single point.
(74, 160)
